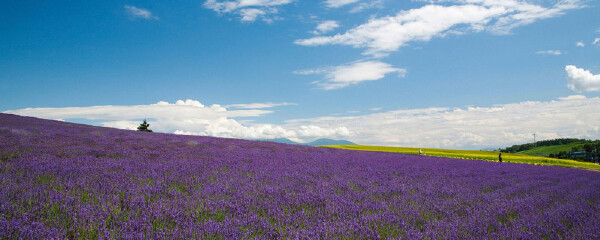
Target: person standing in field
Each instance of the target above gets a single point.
(500, 157)
(419, 151)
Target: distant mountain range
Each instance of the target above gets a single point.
(318, 142)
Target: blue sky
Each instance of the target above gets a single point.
(457, 73)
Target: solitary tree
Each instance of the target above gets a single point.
(144, 127)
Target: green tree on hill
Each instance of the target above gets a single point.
(144, 127)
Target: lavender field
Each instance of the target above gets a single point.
(63, 180)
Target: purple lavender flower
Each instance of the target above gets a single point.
(63, 180)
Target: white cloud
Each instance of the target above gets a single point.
(380, 36)
(573, 97)
(326, 26)
(523, 12)
(581, 80)
(550, 52)
(580, 44)
(321, 132)
(189, 117)
(354, 73)
(338, 3)
(468, 127)
(139, 12)
(471, 127)
(229, 6)
(128, 125)
(230, 128)
(249, 10)
(250, 14)
(367, 5)
(311, 71)
(260, 105)
(596, 41)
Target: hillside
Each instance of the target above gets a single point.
(529, 147)
(70, 181)
(546, 151)
(560, 148)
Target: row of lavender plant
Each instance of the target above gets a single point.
(62, 180)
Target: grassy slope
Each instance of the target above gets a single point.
(474, 154)
(547, 150)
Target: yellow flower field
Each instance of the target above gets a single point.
(476, 155)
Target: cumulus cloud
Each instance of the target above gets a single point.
(551, 52)
(249, 10)
(260, 105)
(581, 80)
(471, 127)
(338, 3)
(136, 12)
(230, 128)
(354, 73)
(380, 36)
(596, 41)
(580, 44)
(326, 26)
(190, 117)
